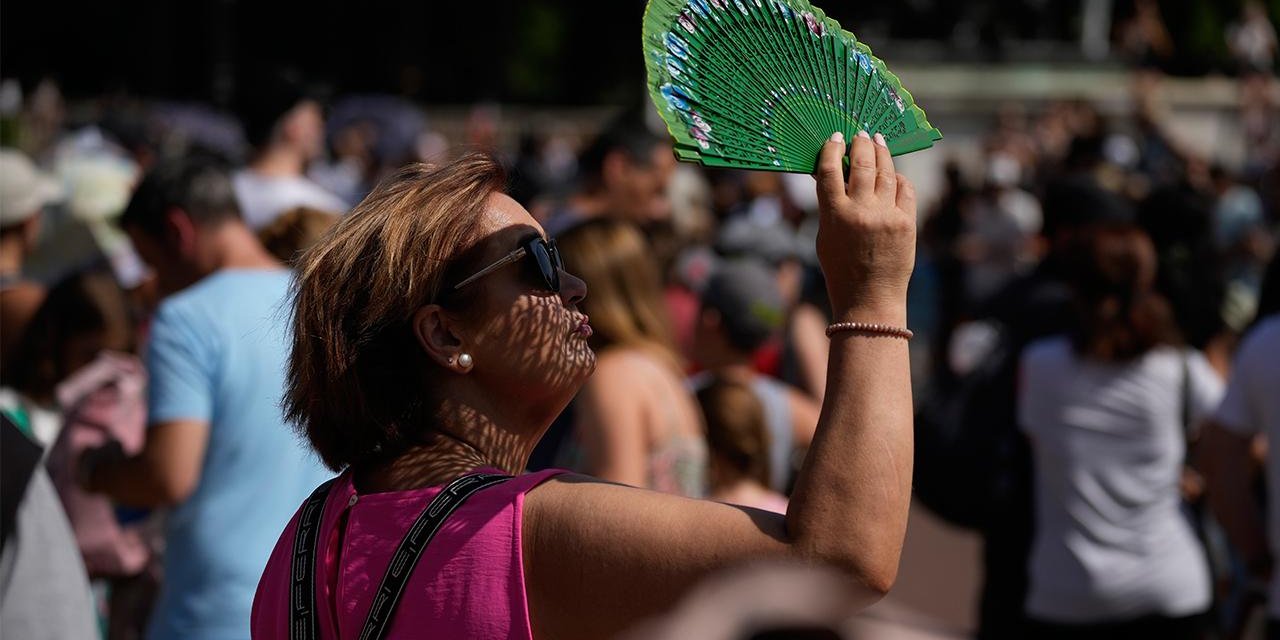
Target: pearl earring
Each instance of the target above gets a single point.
(465, 361)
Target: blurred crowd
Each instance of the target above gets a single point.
(1086, 296)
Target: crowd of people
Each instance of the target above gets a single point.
(217, 334)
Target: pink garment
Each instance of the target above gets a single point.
(468, 584)
(102, 401)
(766, 501)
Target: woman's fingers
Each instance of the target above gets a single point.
(862, 165)
(830, 173)
(886, 177)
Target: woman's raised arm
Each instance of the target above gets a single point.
(599, 557)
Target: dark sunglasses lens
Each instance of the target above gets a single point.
(556, 260)
(548, 263)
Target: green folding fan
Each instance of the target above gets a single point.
(762, 84)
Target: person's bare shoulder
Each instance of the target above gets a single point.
(624, 368)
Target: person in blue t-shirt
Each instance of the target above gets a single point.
(218, 451)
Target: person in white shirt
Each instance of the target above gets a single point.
(286, 127)
(1251, 412)
(1107, 409)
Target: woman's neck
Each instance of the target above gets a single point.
(462, 439)
(279, 161)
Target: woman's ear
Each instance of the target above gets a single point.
(436, 332)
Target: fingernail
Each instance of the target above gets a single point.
(880, 139)
(838, 137)
(862, 133)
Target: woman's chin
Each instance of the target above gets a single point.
(584, 361)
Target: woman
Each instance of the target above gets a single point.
(434, 337)
(1108, 409)
(739, 444)
(80, 377)
(636, 423)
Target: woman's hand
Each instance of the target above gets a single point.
(867, 231)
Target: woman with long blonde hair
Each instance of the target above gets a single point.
(635, 420)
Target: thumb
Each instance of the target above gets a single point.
(830, 172)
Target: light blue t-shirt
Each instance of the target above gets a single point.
(218, 353)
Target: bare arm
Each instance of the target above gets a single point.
(164, 473)
(1226, 462)
(599, 557)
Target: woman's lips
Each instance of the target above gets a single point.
(584, 328)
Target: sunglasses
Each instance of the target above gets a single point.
(542, 253)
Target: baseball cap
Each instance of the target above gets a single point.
(742, 237)
(24, 189)
(745, 293)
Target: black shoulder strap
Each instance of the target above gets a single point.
(303, 622)
(20, 458)
(302, 574)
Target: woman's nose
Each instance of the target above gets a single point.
(572, 288)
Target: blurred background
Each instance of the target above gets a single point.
(1058, 115)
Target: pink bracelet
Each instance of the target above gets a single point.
(874, 329)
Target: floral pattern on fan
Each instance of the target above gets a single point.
(762, 84)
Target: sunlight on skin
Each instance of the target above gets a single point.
(530, 356)
(536, 339)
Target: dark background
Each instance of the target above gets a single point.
(568, 52)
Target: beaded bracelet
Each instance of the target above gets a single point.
(875, 329)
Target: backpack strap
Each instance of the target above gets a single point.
(303, 623)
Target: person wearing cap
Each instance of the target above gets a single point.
(24, 193)
(742, 308)
(800, 357)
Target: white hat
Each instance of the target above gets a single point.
(24, 189)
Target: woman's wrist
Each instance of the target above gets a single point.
(890, 314)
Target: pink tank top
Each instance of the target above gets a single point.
(468, 584)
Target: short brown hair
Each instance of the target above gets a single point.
(358, 382)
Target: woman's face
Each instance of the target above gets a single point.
(526, 340)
